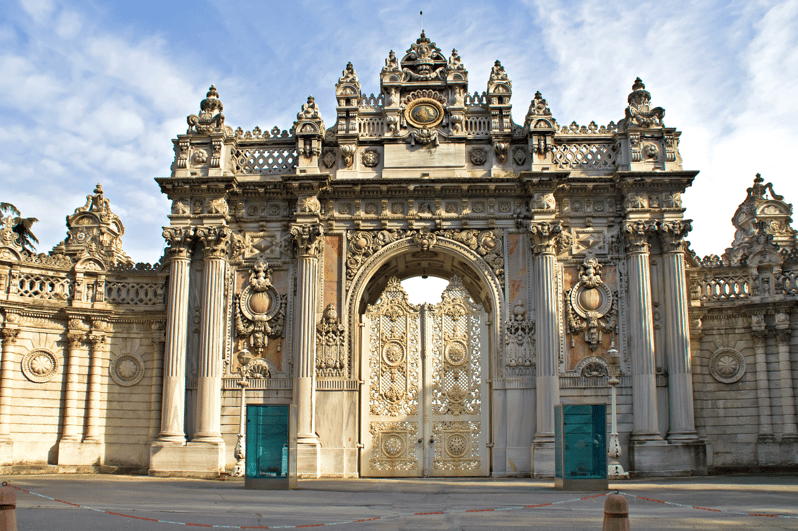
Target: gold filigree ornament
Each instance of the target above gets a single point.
(424, 113)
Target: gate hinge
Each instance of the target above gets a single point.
(360, 445)
(489, 445)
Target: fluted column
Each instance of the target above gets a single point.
(641, 328)
(783, 337)
(547, 329)
(677, 332)
(212, 320)
(71, 432)
(96, 341)
(174, 378)
(307, 238)
(9, 336)
(762, 381)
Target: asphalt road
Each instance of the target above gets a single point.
(145, 503)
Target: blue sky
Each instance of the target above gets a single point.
(95, 91)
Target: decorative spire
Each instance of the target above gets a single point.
(639, 112)
(497, 73)
(210, 118)
(348, 75)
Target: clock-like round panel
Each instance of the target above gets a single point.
(424, 113)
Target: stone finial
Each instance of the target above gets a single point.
(455, 63)
(210, 118)
(348, 75)
(497, 73)
(310, 111)
(639, 112)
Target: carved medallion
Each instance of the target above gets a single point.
(424, 113)
(259, 309)
(590, 303)
(478, 156)
(127, 369)
(727, 365)
(329, 158)
(371, 158)
(39, 366)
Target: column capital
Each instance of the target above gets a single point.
(75, 338)
(96, 340)
(216, 240)
(672, 235)
(307, 238)
(9, 335)
(783, 336)
(543, 235)
(636, 234)
(179, 240)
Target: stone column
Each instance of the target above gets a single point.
(308, 241)
(174, 378)
(762, 382)
(783, 337)
(641, 328)
(96, 340)
(9, 336)
(75, 337)
(212, 321)
(677, 332)
(547, 339)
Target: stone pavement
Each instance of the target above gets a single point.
(146, 503)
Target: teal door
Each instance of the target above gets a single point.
(267, 441)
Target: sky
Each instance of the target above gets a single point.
(96, 91)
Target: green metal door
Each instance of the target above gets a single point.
(267, 441)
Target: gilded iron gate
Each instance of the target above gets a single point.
(424, 410)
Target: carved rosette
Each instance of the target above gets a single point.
(544, 236)
(636, 234)
(40, 365)
(215, 239)
(331, 354)
(307, 238)
(393, 446)
(519, 352)
(456, 445)
(260, 310)
(726, 365)
(590, 304)
(672, 235)
(127, 369)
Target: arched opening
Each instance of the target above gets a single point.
(424, 289)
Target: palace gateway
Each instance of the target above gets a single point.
(282, 274)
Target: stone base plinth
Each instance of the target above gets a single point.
(307, 460)
(6, 452)
(518, 461)
(660, 458)
(784, 453)
(543, 459)
(197, 460)
(76, 453)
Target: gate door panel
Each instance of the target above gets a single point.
(422, 400)
(458, 423)
(390, 400)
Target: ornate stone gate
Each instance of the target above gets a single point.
(425, 400)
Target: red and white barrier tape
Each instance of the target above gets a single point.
(743, 513)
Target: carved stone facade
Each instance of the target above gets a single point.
(560, 242)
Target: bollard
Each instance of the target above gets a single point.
(8, 508)
(616, 513)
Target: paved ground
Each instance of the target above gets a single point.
(393, 504)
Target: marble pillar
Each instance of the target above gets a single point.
(174, 377)
(9, 336)
(677, 332)
(212, 340)
(762, 381)
(96, 342)
(783, 338)
(71, 431)
(641, 328)
(308, 241)
(547, 339)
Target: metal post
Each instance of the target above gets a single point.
(614, 469)
(240, 453)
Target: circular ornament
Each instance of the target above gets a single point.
(456, 445)
(393, 354)
(261, 305)
(456, 353)
(371, 158)
(393, 445)
(127, 369)
(591, 301)
(424, 113)
(727, 365)
(39, 366)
